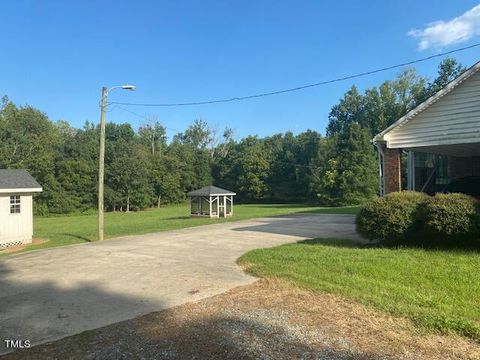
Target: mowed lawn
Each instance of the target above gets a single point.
(72, 229)
(438, 289)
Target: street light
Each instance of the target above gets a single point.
(101, 162)
(128, 87)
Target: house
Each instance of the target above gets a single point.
(440, 139)
(16, 212)
(211, 201)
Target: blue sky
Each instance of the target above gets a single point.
(56, 55)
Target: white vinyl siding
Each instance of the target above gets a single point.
(452, 119)
(15, 228)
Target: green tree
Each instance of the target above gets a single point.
(348, 110)
(128, 175)
(154, 136)
(309, 155)
(192, 149)
(30, 141)
(449, 69)
(252, 169)
(349, 175)
(377, 109)
(167, 181)
(284, 179)
(198, 135)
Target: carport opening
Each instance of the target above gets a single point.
(431, 169)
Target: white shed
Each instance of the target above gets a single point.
(16, 211)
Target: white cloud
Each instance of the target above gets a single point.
(443, 33)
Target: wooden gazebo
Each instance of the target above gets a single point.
(211, 201)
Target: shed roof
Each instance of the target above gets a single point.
(210, 190)
(17, 180)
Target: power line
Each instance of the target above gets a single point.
(129, 111)
(140, 116)
(240, 98)
(310, 166)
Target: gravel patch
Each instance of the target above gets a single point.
(266, 320)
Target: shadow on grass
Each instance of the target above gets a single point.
(179, 218)
(341, 243)
(76, 236)
(459, 246)
(452, 246)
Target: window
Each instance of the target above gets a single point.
(443, 171)
(15, 204)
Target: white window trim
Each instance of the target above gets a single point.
(15, 203)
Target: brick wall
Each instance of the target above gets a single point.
(392, 170)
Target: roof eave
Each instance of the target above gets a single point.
(225, 194)
(20, 190)
(427, 103)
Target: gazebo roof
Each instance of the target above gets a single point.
(210, 191)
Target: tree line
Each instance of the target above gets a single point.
(144, 169)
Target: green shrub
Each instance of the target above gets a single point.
(40, 209)
(415, 218)
(391, 219)
(451, 217)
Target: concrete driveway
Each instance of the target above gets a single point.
(49, 294)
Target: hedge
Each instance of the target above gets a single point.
(451, 216)
(390, 219)
(411, 217)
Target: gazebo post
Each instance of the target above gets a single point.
(210, 205)
(218, 206)
(231, 205)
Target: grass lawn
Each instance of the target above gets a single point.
(438, 289)
(72, 229)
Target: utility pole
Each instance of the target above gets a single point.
(101, 162)
(101, 158)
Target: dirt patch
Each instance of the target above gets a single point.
(266, 320)
(13, 249)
